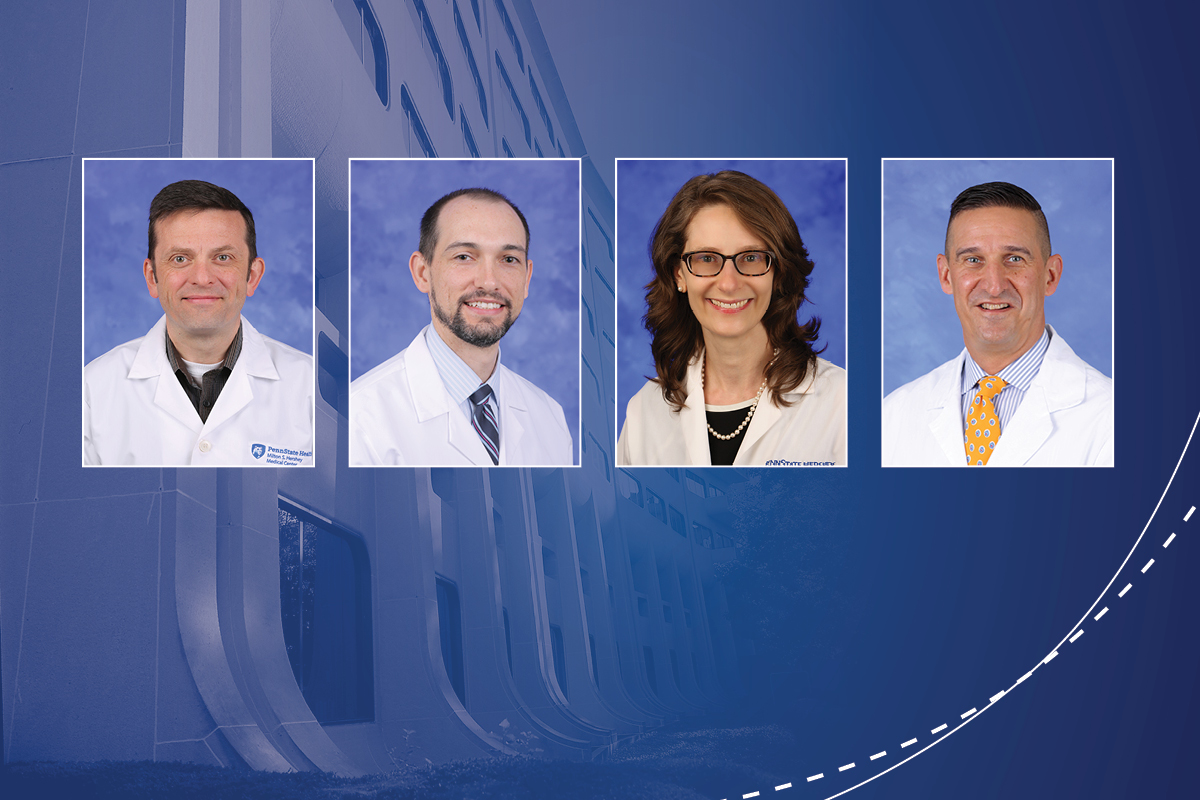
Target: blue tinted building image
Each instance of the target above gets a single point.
(336, 619)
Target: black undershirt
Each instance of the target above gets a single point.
(720, 451)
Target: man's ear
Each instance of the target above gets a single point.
(528, 275)
(257, 267)
(943, 265)
(151, 280)
(420, 269)
(1054, 267)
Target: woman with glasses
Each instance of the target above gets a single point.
(738, 381)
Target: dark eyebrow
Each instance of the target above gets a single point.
(1012, 248)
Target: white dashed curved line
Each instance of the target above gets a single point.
(1073, 634)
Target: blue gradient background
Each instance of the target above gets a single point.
(813, 191)
(387, 200)
(116, 203)
(920, 328)
(927, 607)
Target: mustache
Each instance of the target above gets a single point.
(494, 297)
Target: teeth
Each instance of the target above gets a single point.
(994, 306)
(482, 304)
(735, 304)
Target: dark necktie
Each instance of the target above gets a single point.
(484, 421)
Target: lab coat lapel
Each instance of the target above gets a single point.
(150, 364)
(1059, 384)
(945, 417)
(434, 406)
(254, 362)
(693, 419)
(516, 421)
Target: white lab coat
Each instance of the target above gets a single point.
(136, 413)
(401, 415)
(1065, 419)
(810, 432)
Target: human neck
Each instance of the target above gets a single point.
(199, 348)
(993, 361)
(734, 371)
(481, 360)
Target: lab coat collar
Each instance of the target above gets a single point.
(694, 419)
(1059, 384)
(431, 400)
(151, 362)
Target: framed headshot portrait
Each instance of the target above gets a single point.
(465, 312)
(997, 269)
(198, 312)
(731, 320)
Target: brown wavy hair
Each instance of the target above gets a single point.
(677, 336)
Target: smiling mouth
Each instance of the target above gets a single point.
(484, 305)
(994, 306)
(726, 305)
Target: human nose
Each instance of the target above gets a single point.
(993, 279)
(201, 272)
(728, 277)
(487, 276)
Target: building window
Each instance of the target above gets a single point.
(595, 665)
(437, 58)
(643, 607)
(417, 135)
(468, 137)
(667, 613)
(560, 658)
(506, 21)
(673, 472)
(600, 447)
(656, 507)
(702, 535)
(450, 630)
(363, 29)
(333, 368)
(507, 639)
(471, 65)
(541, 107)
(585, 581)
(537, 148)
(508, 151)
(675, 669)
(516, 101)
(549, 563)
(651, 678)
(687, 618)
(629, 487)
(714, 491)
(498, 524)
(591, 321)
(677, 522)
(325, 605)
(694, 483)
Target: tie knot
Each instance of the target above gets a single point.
(990, 385)
(480, 396)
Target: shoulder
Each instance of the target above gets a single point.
(828, 378)
(919, 391)
(383, 375)
(120, 356)
(1061, 358)
(528, 390)
(649, 400)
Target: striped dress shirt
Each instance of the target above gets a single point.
(459, 379)
(1018, 375)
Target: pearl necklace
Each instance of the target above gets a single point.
(749, 414)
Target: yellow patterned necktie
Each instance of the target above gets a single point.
(983, 424)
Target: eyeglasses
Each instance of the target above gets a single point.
(706, 264)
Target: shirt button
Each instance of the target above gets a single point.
(208, 403)
(205, 445)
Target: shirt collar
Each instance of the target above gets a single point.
(1020, 373)
(231, 355)
(459, 379)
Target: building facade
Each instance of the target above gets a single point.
(328, 618)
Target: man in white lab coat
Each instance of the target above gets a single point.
(1017, 395)
(446, 400)
(203, 387)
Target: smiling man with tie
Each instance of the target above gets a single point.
(447, 400)
(1017, 395)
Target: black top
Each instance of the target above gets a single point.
(205, 397)
(721, 451)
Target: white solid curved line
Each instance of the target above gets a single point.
(974, 717)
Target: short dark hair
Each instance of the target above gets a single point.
(999, 194)
(196, 196)
(429, 220)
(677, 335)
